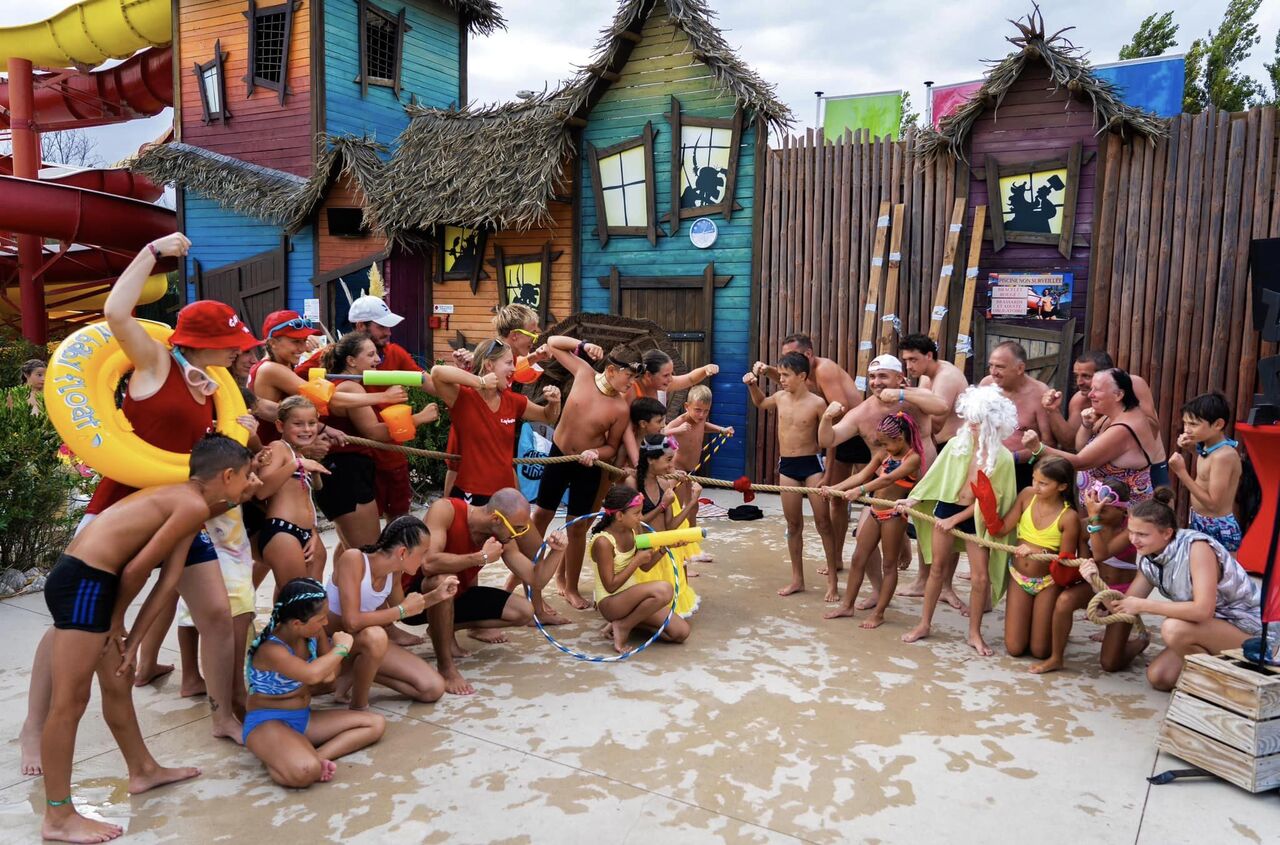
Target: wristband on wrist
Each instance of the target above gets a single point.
(341, 651)
(400, 608)
(1093, 529)
(155, 253)
(582, 345)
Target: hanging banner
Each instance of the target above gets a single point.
(879, 113)
(948, 98)
(1154, 84)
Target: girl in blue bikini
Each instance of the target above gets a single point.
(291, 655)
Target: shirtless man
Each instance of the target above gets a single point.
(1064, 430)
(1007, 369)
(888, 393)
(592, 424)
(832, 384)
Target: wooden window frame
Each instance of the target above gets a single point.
(477, 271)
(678, 121)
(223, 114)
(1066, 239)
(252, 14)
(500, 262)
(603, 230)
(364, 9)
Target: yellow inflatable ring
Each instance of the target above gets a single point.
(79, 396)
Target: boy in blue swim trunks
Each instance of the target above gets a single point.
(1213, 488)
(799, 412)
(89, 589)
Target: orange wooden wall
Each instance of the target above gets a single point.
(259, 130)
(473, 314)
(334, 252)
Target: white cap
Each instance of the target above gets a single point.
(371, 309)
(885, 362)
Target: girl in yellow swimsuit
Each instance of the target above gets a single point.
(1046, 523)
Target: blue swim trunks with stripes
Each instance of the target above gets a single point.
(80, 598)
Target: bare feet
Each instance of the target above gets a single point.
(873, 621)
(914, 590)
(793, 587)
(327, 768)
(489, 636)
(551, 616)
(342, 689)
(30, 745)
(607, 631)
(702, 558)
(838, 613)
(1044, 667)
(576, 601)
(144, 675)
(620, 635)
(919, 632)
(871, 600)
(76, 828)
(833, 594)
(822, 570)
(950, 597)
(455, 684)
(458, 651)
(191, 687)
(160, 777)
(1099, 636)
(979, 645)
(403, 638)
(230, 728)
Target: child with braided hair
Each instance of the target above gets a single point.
(662, 510)
(290, 656)
(892, 472)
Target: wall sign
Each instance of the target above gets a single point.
(1038, 296)
(703, 232)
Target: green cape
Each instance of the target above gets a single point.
(943, 483)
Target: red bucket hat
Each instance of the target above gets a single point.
(207, 324)
(277, 325)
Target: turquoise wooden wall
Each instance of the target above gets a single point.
(621, 114)
(220, 237)
(429, 68)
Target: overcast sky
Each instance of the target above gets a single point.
(800, 45)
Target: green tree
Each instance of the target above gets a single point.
(910, 119)
(1213, 62)
(1155, 35)
(1273, 70)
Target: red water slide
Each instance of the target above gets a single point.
(141, 86)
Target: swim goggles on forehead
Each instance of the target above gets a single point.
(635, 369)
(636, 501)
(195, 376)
(295, 323)
(524, 529)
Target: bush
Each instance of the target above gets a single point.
(426, 474)
(14, 352)
(36, 523)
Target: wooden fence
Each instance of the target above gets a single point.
(821, 202)
(1170, 264)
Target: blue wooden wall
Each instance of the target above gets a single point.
(621, 114)
(220, 237)
(429, 68)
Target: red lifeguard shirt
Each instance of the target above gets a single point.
(170, 418)
(486, 439)
(457, 541)
(394, 357)
(267, 431)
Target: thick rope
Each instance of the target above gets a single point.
(1094, 612)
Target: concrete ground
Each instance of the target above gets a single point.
(769, 725)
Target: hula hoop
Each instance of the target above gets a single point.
(592, 658)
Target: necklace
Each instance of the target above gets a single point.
(602, 384)
(1226, 441)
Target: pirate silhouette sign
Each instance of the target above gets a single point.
(524, 284)
(1032, 202)
(704, 165)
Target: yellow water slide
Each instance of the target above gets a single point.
(89, 33)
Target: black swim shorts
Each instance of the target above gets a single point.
(582, 482)
(80, 598)
(349, 485)
(943, 510)
(801, 467)
(479, 604)
(853, 451)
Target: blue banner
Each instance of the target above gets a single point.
(1154, 84)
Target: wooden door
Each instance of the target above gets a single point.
(254, 287)
(1049, 349)
(684, 306)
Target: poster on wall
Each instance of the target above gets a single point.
(462, 249)
(523, 283)
(1032, 202)
(1036, 296)
(704, 165)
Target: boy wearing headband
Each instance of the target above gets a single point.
(801, 465)
(594, 419)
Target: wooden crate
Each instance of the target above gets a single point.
(1224, 717)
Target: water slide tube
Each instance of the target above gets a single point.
(139, 87)
(87, 34)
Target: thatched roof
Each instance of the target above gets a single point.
(1068, 68)
(496, 166)
(482, 17)
(696, 20)
(263, 192)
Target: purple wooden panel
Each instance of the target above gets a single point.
(408, 274)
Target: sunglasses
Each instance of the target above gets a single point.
(297, 323)
(524, 529)
(526, 333)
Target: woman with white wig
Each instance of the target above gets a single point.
(945, 492)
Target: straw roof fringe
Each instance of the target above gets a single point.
(1068, 68)
(493, 166)
(482, 17)
(696, 20)
(273, 195)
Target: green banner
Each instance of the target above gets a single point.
(880, 114)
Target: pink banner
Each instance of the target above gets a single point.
(948, 98)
